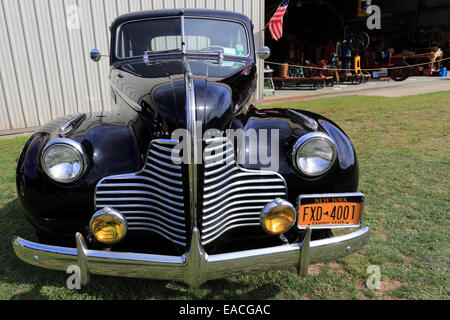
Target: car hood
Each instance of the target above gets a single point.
(158, 90)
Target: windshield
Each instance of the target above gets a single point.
(162, 35)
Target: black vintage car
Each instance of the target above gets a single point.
(187, 180)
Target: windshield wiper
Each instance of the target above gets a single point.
(214, 53)
(164, 51)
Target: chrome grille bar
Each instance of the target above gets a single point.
(233, 197)
(151, 200)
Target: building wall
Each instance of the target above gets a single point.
(45, 69)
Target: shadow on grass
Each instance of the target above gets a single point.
(33, 294)
(27, 282)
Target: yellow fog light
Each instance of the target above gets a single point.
(277, 216)
(108, 226)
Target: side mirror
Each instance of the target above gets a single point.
(96, 55)
(264, 53)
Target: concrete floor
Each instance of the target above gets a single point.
(375, 87)
(4, 134)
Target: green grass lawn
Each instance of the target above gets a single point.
(403, 148)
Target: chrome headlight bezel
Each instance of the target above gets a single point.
(74, 146)
(310, 138)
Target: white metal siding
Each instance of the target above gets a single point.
(45, 70)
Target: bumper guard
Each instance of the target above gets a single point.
(194, 267)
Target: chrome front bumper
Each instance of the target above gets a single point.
(194, 267)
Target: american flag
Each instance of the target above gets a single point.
(276, 23)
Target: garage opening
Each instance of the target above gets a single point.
(351, 42)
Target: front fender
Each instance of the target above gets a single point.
(293, 124)
(113, 145)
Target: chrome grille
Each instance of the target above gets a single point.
(152, 199)
(233, 196)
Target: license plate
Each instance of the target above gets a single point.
(330, 210)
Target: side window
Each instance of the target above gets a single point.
(193, 43)
(165, 43)
(126, 45)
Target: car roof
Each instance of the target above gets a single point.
(175, 12)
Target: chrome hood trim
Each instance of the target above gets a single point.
(191, 119)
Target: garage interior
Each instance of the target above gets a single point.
(335, 35)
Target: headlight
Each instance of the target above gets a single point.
(278, 216)
(64, 160)
(314, 154)
(108, 226)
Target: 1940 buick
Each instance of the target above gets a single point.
(186, 180)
